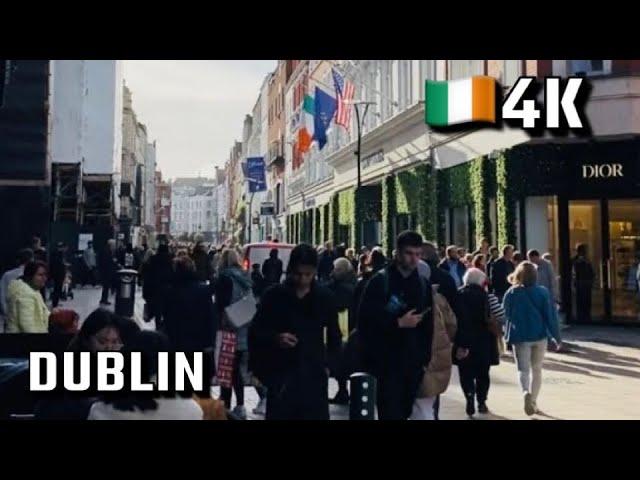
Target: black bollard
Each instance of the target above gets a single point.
(362, 402)
(126, 293)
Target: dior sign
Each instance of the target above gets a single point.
(606, 170)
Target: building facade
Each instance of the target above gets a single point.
(162, 205)
(192, 208)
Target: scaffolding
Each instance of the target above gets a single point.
(67, 191)
(97, 204)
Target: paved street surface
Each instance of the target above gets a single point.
(597, 377)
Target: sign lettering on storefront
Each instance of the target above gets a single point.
(606, 170)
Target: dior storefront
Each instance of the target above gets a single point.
(587, 193)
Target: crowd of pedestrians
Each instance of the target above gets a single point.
(323, 312)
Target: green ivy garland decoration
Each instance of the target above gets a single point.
(505, 200)
(389, 212)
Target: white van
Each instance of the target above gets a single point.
(259, 252)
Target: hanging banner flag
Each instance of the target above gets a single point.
(256, 174)
(305, 133)
(325, 109)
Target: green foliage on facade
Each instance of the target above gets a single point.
(389, 211)
(415, 194)
(505, 201)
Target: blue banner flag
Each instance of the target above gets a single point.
(325, 109)
(256, 174)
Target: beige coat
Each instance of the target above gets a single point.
(438, 373)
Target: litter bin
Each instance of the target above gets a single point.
(126, 292)
(363, 390)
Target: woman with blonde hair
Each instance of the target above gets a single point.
(232, 285)
(531, 321)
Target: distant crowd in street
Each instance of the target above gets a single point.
(288, 326)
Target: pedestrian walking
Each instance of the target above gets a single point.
(232, 285)
(494, 254)
(57, 272)
(325, 262)
(101, 331)
(583, 278)
(287, 346)
(351, 256)
(145, 405)
(500, 271)
(476, 343)
(531, 320)
(26, 310)
(24, 256)
(453, 265)
(478, 262)
(157, 279)
(395, 323)
(258, 281)
(343, 285)
(438, 373)
(90, 263)
(272, 268)
(545, 274)
(204, 268)
(108, 270)
(190, 321)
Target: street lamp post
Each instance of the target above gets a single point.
(359, 124)
(358, 153)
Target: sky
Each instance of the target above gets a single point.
(194, 109)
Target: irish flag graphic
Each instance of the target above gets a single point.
(460, 101)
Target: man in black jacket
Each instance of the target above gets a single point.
(500, 271)
(396, 327)
(287, 351)
(272, 268)
(108, 266)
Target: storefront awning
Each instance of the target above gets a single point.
(456, 148)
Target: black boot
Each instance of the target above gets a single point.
(471, 406)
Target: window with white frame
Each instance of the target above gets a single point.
(394, 86)
(588, 67)
(511, 71)
(417, 82)
(404, 83)
(465, 68)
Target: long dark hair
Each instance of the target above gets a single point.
(96, 321)
(302, 254)
(148, 343)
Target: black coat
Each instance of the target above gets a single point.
(190, 319)
(583, 275)
(473, 332)
(108, 267)
(498, 273)
(296, 378)
(157, 277)
(391, 352)
(325, 265)
(272, 270)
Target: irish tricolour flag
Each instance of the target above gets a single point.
(460, 101)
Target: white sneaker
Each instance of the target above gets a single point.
(240, 412)
(261, 408)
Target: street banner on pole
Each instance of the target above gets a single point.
(256, 174)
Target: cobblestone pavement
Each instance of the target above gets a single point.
(596, 377)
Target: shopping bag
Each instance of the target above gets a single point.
(225, 359)
(241, 313)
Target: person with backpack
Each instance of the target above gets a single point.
(395, 324)
(288, 353)
(233, 284)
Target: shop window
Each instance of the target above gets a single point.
(371, 233)
(460, 222)
(403, 221)
(588, 67)
(511, 71)
(465, 68)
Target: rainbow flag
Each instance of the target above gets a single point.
(460, 101)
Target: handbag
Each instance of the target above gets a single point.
(241, 312)
(226, 357)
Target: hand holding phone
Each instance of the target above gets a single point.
(410, 319)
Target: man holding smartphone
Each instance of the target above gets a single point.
(396, 324)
